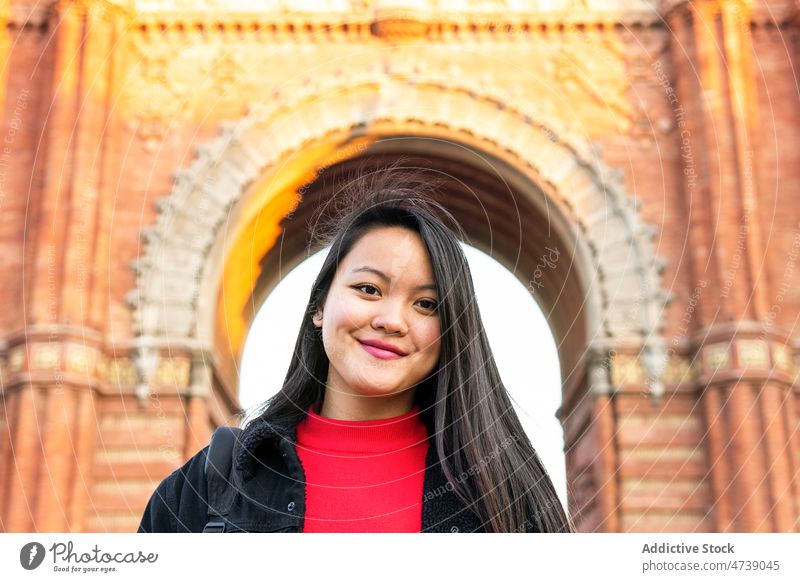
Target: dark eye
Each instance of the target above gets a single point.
(431, 305)
(366, 286)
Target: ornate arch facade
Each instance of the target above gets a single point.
(588, 126)
(616, 257)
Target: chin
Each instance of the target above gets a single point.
(382, 389)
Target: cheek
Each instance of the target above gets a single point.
(339, 320)
(430, 339)
(349, 314)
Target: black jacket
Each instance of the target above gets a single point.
(269, 490)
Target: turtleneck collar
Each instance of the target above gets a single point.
(384, 435)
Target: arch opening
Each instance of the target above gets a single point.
(504, 213)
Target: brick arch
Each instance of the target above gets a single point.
(615, 254)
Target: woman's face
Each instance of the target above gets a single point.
(383, 292)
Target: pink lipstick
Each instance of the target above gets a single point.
(379, 352)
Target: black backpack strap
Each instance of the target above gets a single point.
(218, 469)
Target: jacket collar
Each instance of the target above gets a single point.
(442, 511)
(279, 434)
(262, 433)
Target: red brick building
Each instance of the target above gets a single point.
(160, 160)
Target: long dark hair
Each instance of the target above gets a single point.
(477, 434)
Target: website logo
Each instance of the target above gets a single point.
(31, 555)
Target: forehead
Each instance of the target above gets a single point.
(398, 252)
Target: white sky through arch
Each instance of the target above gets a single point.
(519, 335)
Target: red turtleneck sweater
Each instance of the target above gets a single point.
(363, 475)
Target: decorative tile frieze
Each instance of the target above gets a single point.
(679, 370)
(118, 372)
(782, 358)
(752, 353)
(80, 358)
(626, 369)
(173, 372)
(46, 356)
(716, 357)
(16, 359)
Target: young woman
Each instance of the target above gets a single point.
(392, 416)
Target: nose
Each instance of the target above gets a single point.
(390, 318)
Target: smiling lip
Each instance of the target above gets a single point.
(382, 350)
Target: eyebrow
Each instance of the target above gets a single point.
(383, 276)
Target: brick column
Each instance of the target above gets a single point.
(740, 388)
(751, 429)
(48, 444)
(50, 392)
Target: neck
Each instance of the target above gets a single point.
(355, 407)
